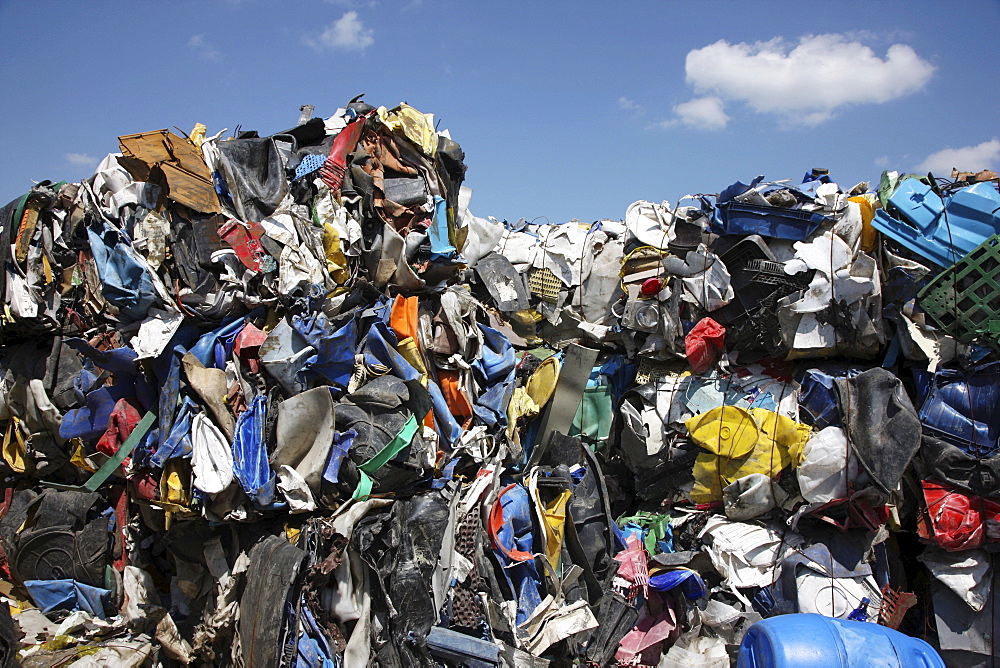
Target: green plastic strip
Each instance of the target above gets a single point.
(364, 487)
(109, 467)
(392, 448)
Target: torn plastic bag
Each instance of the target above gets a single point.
(91, 420)
(949, 463)
(825, 470)
(752, 496)
(495, 372)
(645, 643)
(746, 555)
(482, 235)
(966, 637)
(652, 224)
(283, 353)
(687, 580)
(155, 333)
(616, 617)
(967, 574)
(881, 424)
(704, 343)
(123, 420)
(254, 174)
(699, 652)
(177, 442)
(211, 456)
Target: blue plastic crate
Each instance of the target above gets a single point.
(768, 221)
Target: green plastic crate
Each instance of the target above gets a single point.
(964, 300)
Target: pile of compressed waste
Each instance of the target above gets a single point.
(283, 400)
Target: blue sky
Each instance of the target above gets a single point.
(564, 109)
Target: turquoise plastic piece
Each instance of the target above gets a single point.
(941, 231)
(808, 640)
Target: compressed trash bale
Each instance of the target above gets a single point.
(486, 397)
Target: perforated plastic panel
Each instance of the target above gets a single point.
(544, 284)
(964, 300)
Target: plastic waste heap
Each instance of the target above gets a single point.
(283, 400)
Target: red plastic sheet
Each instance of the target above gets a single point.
(960, 521)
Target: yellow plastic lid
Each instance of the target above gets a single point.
(726, 431)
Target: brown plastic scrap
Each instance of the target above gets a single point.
(188, 178)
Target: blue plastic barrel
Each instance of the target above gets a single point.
(808, 640)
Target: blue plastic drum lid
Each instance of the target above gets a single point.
(815, 641)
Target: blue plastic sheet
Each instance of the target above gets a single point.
(689, 581)
(124, 281)
(177, 443)
(250, 465)
(49, 595)
(334, 358)
(91, 420)
(441, 248)
(342, 442)
(495, 371)
(205, 349)
(516, 534)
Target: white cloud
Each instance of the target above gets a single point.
(81, 159)
(202, 47)
(347, 33)
(881, 161)
(808, 82)
(965, 159)
(630, 105)
(704, 113)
